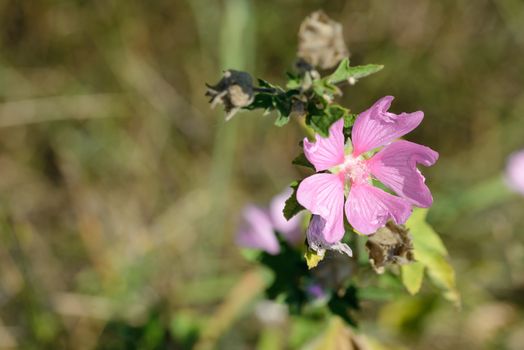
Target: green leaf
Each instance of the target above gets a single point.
(341, 73)
(345, 72)
(261, 100)
(276, 100)
(293, 82)
(281, 120)
(288, 269)
(349, 119)
(431, 252)
(412, 276)
(266, 84)
(321, 120)
(302, 161)
(292, 206)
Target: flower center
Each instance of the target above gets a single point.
(355, 169)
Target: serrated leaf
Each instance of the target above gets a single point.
(431, 252)
(321, 120)
(302, 161)
(412, 276)
(363, 71)
(292, 206)
(345, 72)
(340, 74)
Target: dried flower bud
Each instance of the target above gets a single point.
(391, 244)
(321, 43)
(234, 91)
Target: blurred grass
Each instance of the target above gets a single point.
(120, 188)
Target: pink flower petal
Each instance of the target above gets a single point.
(290, 229)
(368, 208)
(377, 127)
(515, 172)
(326, 152)
(396, 167)
(256, 231)
(323, 195)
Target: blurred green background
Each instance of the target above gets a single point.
(120, 189)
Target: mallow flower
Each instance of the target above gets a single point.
(348, 170)
(515, 172)
(258, 226)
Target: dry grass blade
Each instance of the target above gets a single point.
(247, 288)
(45, 109)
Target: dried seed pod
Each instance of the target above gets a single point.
(234, 91)
(321, 42)
(391, 244)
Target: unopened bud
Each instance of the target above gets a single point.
(234, 91)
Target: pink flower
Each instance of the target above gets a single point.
(351, 171)
(256, 231)
(290, 229)
(515, 172)
(259, 225)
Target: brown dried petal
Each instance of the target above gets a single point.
(391, 244)
(321, 41)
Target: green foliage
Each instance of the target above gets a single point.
(341, 305)
(288, 269)
(321, 119)
(344, 72)
(412, 276)
(154, 333)
(302, 161)
(292, 206)
(314, 96)
(185, 329)
(274, 98)
(432, 254)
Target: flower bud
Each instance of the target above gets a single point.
(234, 91)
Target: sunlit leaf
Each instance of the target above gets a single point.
(412, 276)
(431, 252)
(345, 72)
(312, 258)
